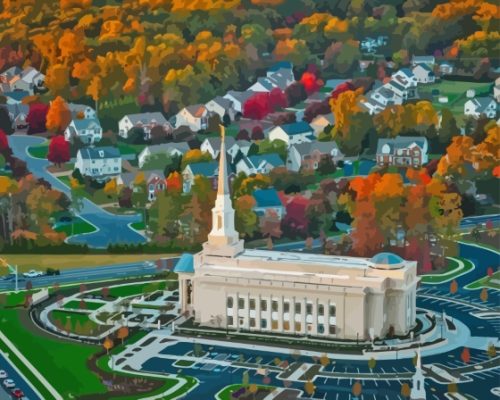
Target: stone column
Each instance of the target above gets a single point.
(304, 312)
(292, 314)
(257, 313)
(280, 314)
(315, 317)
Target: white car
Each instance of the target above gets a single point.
(33, 274)
(9, 383)
(3, 374)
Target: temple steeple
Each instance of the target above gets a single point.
(223, 239)
(418, 384)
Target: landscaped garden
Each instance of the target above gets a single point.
(75, 227)
(455, 268)
(490, 282)
(75, 305)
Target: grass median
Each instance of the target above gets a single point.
(456, 267)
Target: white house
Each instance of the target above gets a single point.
(211, 145)
(239, 145)
(386, 95)
(402, 151)
(424, 73)
(238, 99)
(81, 110)
(29, 79)
(445, 68)
(144, 121)
(99, 162)
(298, 132)
(428, 60)
(308, 155)
(259, 164)
(172, 149)
(281, 74)
(496, 90)
(320, 122)
(195, 117)
(221, 106)
(89, 131)
(371, 106)
(262, 85)
(18, 114)
(481, 105)
(404, 84)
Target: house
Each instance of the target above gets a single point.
(308, 155)
(424, 73)
(259, 164)
(211, 145)
(207, 169)
(195, 117)
(99, 162)
(144, 121)
(297, 132)
(262, 85)
(240, 145)
(404, 84)
(481, 105)
(29, 79)
(268, 200)
(402, 151)
(89, 131)
(364, 64)
(386, 96)
(156, 184)
(221, 106)
(16, 97)
(281, 74)
(428, 60)
(238, 99)
(81, 111)
(279, 67)
(371, 106)
(320, 122)
(18, 114)
(445, 68)
(172, 149)
(7, 75)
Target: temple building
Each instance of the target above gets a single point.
(228, 286)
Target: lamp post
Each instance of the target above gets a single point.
(12, 270)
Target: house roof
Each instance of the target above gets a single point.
(329, 118)
(167, 148)
(15, 70)
(17, 95)
(95, 153)
(266, 83)
(322, 147)
(281, 65)
(240, 96)
(196, 110)
(408, 72)
(215, 142)
(221, 101)
(333, 83)
(91, 123)
(296, 128)
(16, 109)
(267, 198)
(146, 118)
(385, 92)
(279, 80)
(396, 85)
(482, 103)
(401, 142)
(76, 108)
(29, 74)
(271, 158)
(207, 169)
(154, 173)
(185, 264)
(423, 59)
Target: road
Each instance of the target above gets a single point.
(19, 380)
(88, 274)
(111, 228)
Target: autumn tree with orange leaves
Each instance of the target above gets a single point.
(58, 116)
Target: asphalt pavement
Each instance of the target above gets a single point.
(19, 380)
(111, 228)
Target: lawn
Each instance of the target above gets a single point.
(455, 268)
(25, 262)
(490, 282)
(76, 227)
(79, 322)
(134, 289)
(138, 225)
(183, 363)
(39, 151)
(225, 394)
(90, 305)
(61, 362)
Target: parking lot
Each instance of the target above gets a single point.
(20, 383)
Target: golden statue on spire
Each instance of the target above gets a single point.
(222, 131)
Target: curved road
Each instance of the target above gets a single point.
(111, 228)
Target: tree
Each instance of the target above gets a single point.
(5, 122)
(257, 106)
(492, 350)
(58, 150)
(37, 117)
(122, 333)
(448, 129)
(324, 360)
(174, 182)
(372, 363)
(310, 82)
(257, 133)
(245, 379)
(309, 388)
(405, 390)
(453, 286)
(58, 116)
(94, 90)
(490, 271)
(243, 135)
(326, 165)
(108, 344)
(295, 93)
(270, 227)
(277, 99)
(484, 295)
(356, 389)
(105, 292)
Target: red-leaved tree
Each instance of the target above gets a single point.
(58, 150)
(4, 145)
(277, 99)
(37, 118)
(343, 87)
(311, 82)
(257, 106)
(257, 133)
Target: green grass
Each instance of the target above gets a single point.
(138, 225)
(134, 289)
(452, 271)
(485, 282)
(183, 363)
(76, 227)
(126, 148)
(39, 151)
(61, 362)
(16, 299)
(90, 305)
(225, 394)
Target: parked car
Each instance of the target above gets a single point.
(33, 274)
(3, 374)
(17, 393)
(52, 271)
(8, 383)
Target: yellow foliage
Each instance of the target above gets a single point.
(7, 185)
(85, 21)
(193, 5)
(111, 188)
(111, 29)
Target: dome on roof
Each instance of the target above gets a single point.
(388, 259)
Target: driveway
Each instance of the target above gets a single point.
(111, 228)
